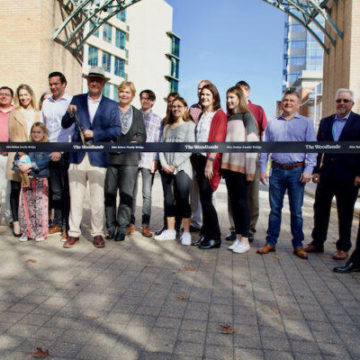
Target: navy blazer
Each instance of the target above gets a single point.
(105, 126)
(343, 167)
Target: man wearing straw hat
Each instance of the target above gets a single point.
(96, 119)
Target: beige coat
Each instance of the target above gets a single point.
(18, 132)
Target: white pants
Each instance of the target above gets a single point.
(79, 176)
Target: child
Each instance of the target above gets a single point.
(33, 211)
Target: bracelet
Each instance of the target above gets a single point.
(210, 158)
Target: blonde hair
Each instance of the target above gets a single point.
(128, 84)
(43, 128)
(30, 91)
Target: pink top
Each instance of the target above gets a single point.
(4, 125)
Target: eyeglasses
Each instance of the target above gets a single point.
(5, 94)
(145, 99)
(338, 101)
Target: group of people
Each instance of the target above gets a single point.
(42, 181)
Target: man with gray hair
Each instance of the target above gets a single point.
(336, 175)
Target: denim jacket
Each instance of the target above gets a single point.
(40, 162)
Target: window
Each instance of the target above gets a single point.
(120, 39)
(106, 90)
(96, 33)
(93, 56)
(121, 15)
(175, 46)
(106, 61)
(174, 85)
(174, 71)
(119, 67)
(107, 32)
(115, 93)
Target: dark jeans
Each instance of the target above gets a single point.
(119, 178)
(355, 256)
(210, 228)
(237, 187)
(176, 194)
(147, 183)
(14, 199)
(345, 194)
(280, 181)
(60, 196)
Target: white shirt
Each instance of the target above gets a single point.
(203, 127)
(52, 112)
(93, 106)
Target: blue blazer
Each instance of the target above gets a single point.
(343, 167)
(105, 126)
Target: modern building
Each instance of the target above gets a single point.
(134, 46)
(303, 66)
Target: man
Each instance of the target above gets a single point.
(337, 175)
(288, 172)
(353, 264)
(52, 111)
(149, 161)
(98, 121)
(195, 111)
(253, 190)
(6, 99)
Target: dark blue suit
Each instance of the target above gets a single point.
(105, 126)
(337, 175)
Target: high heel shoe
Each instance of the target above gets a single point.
(16, 229)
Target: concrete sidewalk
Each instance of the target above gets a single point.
(142, 299)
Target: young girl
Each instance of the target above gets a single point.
(33, 211)
(176, 171)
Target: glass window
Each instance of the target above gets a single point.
(121, 15)
(93, 56)
(174, 85)
(106, 90)
(96, 33)
(120, 39)
(115, 93)
(175, 46)
(106, 61)
(107, 32)
(119, 67)
(174, 68)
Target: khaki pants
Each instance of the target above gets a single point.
(79, 175)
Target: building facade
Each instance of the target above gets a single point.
(134, 46)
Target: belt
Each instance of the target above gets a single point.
(288, 166)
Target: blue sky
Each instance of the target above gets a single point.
(230, 40)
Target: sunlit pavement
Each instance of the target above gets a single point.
(142, 299)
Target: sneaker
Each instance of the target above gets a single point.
(23, 237)
(166, 235)
(241, 248)
(185, 239)
(38, 238)
(234, 244)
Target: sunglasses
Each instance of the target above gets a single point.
(343, 100)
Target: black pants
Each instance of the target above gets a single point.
(345, 194)
(355, 256)
(237, 187)
(119, 178)
(176, 194)
(14, 199)
(210, 228)
(60, 195)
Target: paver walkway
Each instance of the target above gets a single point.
(142, 299)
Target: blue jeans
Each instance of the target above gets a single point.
(280, 181)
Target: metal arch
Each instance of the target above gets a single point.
(79, 12)
(306, 13)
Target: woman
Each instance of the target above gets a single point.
(123, 167)
(239, 168)
(20, 122)
(176, 173)
(210, 128)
